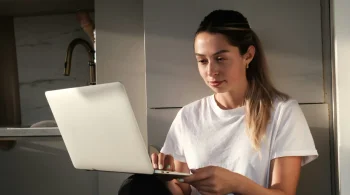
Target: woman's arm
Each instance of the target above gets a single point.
(285, 172)
(216, 180)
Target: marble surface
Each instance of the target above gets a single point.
(29, 132)
(41, 44)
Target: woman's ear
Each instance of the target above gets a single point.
(249, 55)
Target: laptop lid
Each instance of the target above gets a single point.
(99, 128)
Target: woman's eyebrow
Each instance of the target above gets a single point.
(216, 53)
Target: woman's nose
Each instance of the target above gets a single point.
(212, 69)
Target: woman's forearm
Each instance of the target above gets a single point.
(249, 187)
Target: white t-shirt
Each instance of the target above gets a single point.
(203, 134)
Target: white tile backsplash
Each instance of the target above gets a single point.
(41, 44)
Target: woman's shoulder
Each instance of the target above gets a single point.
(285, 108)
(280, 103)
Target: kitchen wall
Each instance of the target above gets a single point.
(42, 166)
(295, 67)
(41, 44)
(341, 50)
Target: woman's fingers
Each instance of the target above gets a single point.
(161, 158)
(169, 163)
(174, 188)
(198, 174)
(163, 161)
(154, 158)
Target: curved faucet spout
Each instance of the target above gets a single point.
(91, 52)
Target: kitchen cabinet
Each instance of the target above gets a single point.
(42, 166)
(290, 33)
(158, 124)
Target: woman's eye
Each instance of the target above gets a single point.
(220, 59)
(202, 61)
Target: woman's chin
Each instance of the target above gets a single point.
(218, 89)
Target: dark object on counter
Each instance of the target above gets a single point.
(7, 144)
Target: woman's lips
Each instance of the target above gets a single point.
(215, 83)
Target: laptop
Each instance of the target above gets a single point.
(100, 131)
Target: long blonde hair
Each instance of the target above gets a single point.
(261, 93)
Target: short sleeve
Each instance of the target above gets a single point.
(173, 142)
(293, 134)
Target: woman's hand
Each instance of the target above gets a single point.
(163, 162)
(166, 162)
(213, 180)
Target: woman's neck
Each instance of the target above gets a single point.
(232, 99)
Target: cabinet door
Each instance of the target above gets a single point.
(315, 177)
(290, 33)
(172, 75)
(42, 166)
(120, 57)
(158, 125)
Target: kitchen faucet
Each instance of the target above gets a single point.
(91, 52)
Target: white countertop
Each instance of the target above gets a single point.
(29, 132)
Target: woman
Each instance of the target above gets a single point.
(248, 137)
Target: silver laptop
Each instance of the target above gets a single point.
(100, 131)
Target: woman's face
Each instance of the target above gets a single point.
(220, 64)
